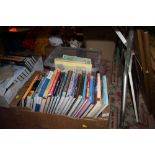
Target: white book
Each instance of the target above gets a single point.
(32, 102)
(42, 104)
(78, 108)
(57, 103)
(87, 111)
(62, 107)
(95, 109)
(28, 102)
(60, 103)
(35, 102)
(50, 104)
(23, 103)
(69, 98)
(68, 104)
(39, 100)
(47, 104)
(100, 110)
(75, 106)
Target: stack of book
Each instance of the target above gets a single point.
(72, 91)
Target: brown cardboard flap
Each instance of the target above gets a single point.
(19, 118)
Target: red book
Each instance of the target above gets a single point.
(54, 83)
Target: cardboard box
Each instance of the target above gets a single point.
(16, 117)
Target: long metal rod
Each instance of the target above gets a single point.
(132, 88)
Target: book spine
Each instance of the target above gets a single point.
(56, 91)
(45, 84)
(82, 108)
(60, 95)
(91, 89)
(54, 83)
(74, 107)
(98, 87)
(62, 107)
(105, 91)
(84, 89)
(67, 81)
(38, 104)
(78, 85)
(74, 92)
(47, 104)
(85, 104)
(47, 88)
(74, 85)
(50, 83)
(71, 84)
(87, 109)
(30, 87)
(43, 103)
(57, 85)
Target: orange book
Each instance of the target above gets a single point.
(30, 87)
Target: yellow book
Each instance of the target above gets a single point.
(72, 64)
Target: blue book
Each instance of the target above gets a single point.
(63, 84)
(105, 91)
(37, 107)
(89, 105)
(84, 89)
(45, 84)
(91, 89)
(74, 85)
